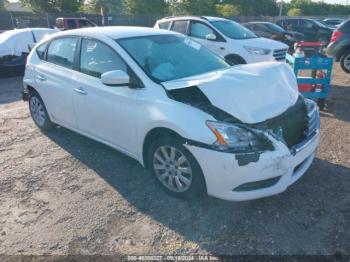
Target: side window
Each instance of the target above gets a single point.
(307, 24)
(41, 51)
(61, 52)
(85, 23)
(98, 58)
(180, 26)
(261, 28)
(164, 25)
(200, 30)
(72, 24)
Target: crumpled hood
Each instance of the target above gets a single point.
(252, 93)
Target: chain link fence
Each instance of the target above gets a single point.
(11, 20)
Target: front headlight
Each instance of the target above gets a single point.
(236, 139)
(257, 50)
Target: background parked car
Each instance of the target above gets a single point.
(333, 23)
(275, 32)
(313, 30)
(339, 47)
(67, 23)
(228, 39)
(15, 47)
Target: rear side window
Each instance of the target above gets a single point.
(72, 24)
(61, 52)
(180, 26)
(41, 51)
(164, 25)
(98, 58)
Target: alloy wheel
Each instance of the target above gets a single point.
(172, 168)
(38, 111)
(347, 62)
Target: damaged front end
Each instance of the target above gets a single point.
(294, 128)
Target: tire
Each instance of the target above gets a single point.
(175, 169)
(38, 112)
(345, 62)
(321, 103)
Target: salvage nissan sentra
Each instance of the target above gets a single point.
(199, 125)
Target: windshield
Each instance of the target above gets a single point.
(275, 27)
(233, 30)
(320, 24)
(170, 57)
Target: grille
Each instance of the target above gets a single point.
(313, 122)
(292, 126)
(280, 54)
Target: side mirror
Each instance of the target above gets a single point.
(211, 37)
(115, 78)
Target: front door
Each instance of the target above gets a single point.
(107, 113)
(199, 32)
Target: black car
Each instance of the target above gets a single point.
(333, 23)
(275, 32)
(313, 30)
(339, 47)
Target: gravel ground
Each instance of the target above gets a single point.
(62, 193)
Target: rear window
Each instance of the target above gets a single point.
(345, 27)
(164, 25)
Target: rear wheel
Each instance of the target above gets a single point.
(38, 112)
(345, 62)
(175, 169)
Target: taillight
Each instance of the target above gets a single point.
(335, 36)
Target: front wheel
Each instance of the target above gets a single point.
(38, 112)
(345, 62)
(175, 169)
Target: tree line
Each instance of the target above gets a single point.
(227, 8)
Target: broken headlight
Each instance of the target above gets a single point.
(237, 139)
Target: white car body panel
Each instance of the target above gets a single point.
(122, 117)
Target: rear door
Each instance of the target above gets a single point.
(54, 78)
(107, 113)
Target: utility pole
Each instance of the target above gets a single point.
(281, 8)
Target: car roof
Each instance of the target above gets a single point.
(202, 18)
(260, 22)
(115, 32)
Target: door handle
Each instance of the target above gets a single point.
(41, 78)
(80, 90)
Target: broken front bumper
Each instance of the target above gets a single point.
(274, 171)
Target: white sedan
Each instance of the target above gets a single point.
(199, 125)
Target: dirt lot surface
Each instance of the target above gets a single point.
(62, 193)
